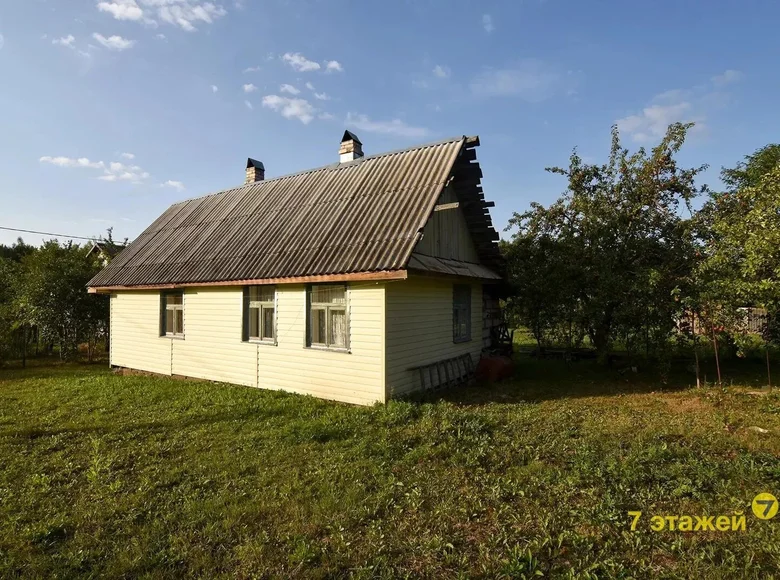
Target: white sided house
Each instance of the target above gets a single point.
(358, 281)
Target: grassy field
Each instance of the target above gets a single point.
(119, 476)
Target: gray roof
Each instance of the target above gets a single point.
(362, 216)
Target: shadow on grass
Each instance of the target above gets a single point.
(34, 432)
(542, 380)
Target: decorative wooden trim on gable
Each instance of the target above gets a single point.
(354, 277)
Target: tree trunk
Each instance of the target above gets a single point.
(768, 373)
(24, 346)
(717, 358)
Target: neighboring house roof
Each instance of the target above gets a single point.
(108, 249)
(365, 215)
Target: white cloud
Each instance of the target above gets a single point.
(441, 72)
(695, 105)
(394, 127)
(161, 37)
(289, 89)
(214, 88)
(252, 69)
(128, 156)
(112, 172)
(530, 79)
(65, 41)
(653, 121)
(310, 86)
(122, 9)
(182, 13)
(249, 105)
(299, 62)
(114, 42)
(326, 116)
(70, 162)
(487, 23)
(2, 41)
(290, 108)
(177, 185)
(333, 66)
(322, 96)
(727, 77)
(250, 88)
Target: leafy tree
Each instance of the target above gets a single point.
(53, 296)
(621, 245)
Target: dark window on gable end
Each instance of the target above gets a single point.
(461, 313)
(172, 314)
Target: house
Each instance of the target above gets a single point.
(340, 282)
(105, 250)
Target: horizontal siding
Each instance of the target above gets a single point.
(135, 333)
(354, 377)
(419, 329)
(212, 347)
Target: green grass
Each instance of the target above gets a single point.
(119, 476)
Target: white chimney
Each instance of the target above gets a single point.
(351, 148)
(255, 171)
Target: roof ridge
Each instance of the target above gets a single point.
(334, 165)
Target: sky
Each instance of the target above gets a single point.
(111, 110)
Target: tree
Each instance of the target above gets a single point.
(621, 245)
(54, 297)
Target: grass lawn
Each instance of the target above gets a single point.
(119, 476)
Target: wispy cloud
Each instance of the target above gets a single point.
(290, 108)
(128, 156)
(333, 66)
(326, 116)
(289, 89)
(441, 72)
(530, 79)
(112, 171)
(72, 162)
(249, 105)
(122, 9)
(214, 89)
(321, 96)
(678, 105)
(65, 41)
(310, 86)
(727, 77)
(487, 23)
(2, 41)
(394, 127)
(114, 42)
(177, 185)
(299, 62)
(252, 69)
(182, 13)
(250, 88)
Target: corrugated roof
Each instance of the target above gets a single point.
(362, 216)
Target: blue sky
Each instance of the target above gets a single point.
(114, 109)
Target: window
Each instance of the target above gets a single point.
(260, 313)
(328, 324)
(172, 314)
(461, 313)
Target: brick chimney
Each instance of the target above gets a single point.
(351, 148)
(255, 171)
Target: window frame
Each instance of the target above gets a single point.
(262, 306)
(164, 308)
(464, 290)
(309, 343)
